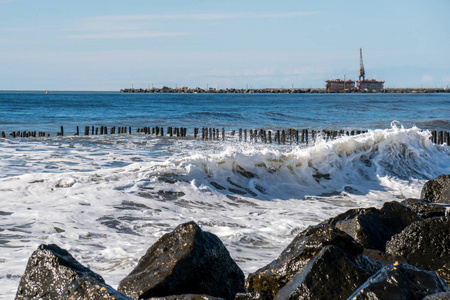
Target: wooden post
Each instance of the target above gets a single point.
(3, 134)
(162, 131)
(78, 131)
(233, 132)
(306, 136)
(245, 135)
(283, 136)
(434, 136)
(270, 137)
(240, 134)
(62, 131)
(223, 134)
(440, 137)
(86, 130)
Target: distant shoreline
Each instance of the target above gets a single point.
(185, 90)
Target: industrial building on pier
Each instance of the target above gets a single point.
(362, 85)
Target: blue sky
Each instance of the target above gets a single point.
(113, 44)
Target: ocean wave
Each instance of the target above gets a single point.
(350, 164)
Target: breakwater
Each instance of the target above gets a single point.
(198, 90)
(264, 136)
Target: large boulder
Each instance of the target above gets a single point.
(331, 274)
(253, 296)
(424, 244)
(185, 261)
(426, 209)
(52, 273)
(400, 281)
(444, 272)
(187, 297)
(438, 296)
(437, 190)
(373, 227)
(297, 255)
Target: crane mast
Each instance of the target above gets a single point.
(362, 73)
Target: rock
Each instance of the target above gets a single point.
(438, 296)
(332, 274)
(297, 255)
(444, 272)
(86, 288)
(424, 244)
(52, 273)
(373, 227)
(437, 190)
(400, 281)
(187, 297)
(252, 296)
(185, 261)
(383, 257)
(426, 209)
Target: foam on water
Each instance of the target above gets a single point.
(107, 199)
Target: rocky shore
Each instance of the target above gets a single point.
(401, 251)
(197, 90)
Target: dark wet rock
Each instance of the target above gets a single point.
(332, 274)
(187, 297)
(87, 288)
(383, 257)
(373, 227)
(52, 272)
(297, 255)
(426, 209)
(437, 190)
(438, 296)
(185, 261)
(444, 272)
(252, 296)
(424, 244)
(400, 281)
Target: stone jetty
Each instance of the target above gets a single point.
(198, 90)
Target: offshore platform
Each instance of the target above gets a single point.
(362, 85)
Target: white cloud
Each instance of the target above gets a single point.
(206, 16)
(126, 35)
(139, 26)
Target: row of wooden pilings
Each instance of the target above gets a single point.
(288, 136)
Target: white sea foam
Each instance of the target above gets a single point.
(107, 199)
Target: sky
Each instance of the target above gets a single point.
(106, 45)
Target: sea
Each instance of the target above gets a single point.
(107, 198)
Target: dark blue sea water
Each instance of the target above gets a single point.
(37, 111)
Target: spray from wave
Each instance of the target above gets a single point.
(352, 164)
